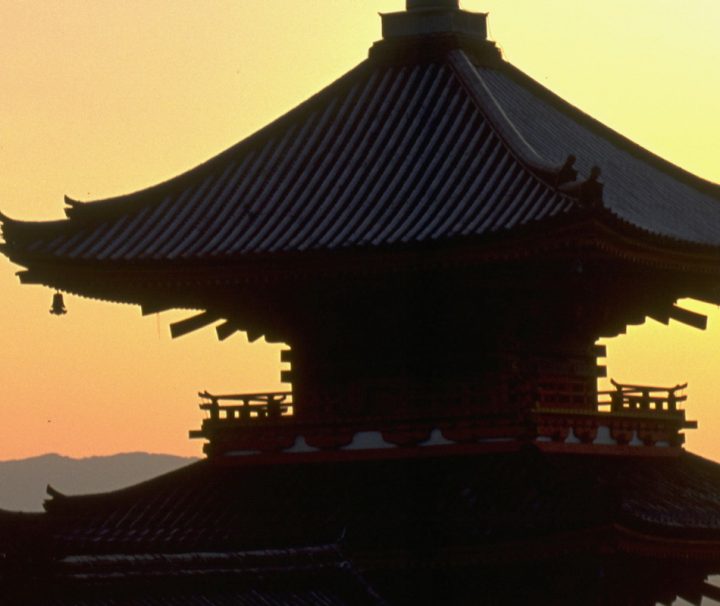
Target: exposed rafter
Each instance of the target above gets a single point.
(149, 309)
(193, 323)
(226, 330)
(688, 317)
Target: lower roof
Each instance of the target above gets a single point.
(370, 532)
(290, 577)
(451, 501)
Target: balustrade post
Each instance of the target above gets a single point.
(645, 400)
(245, 411)
(273, 407)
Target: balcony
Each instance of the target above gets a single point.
(247, 408)
(265, 423)
(627, 416)
(643, 400)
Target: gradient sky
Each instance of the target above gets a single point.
(100, 98)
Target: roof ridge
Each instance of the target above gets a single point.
(635, 149)
(553, 175)
(469, 77)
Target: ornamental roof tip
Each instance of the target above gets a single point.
(588, 191)
(199, 503)
(53, 493)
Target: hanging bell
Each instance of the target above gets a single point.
(58, 305)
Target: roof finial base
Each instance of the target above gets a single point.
(432, 18)
(413, 5)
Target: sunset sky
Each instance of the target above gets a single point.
(101, 98)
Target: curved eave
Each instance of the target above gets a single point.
(656, 544)
(400, 156)
(595, 234)
(389, 157)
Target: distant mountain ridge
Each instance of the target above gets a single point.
(23, 482)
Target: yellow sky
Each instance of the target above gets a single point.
(99, 98)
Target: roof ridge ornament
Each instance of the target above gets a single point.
(589, 191)
(557, 175)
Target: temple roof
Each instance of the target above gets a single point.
(294, 576)
(426, 142)
(230, 530)
(387, 155)
(230, 505)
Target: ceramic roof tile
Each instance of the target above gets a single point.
(389, 155)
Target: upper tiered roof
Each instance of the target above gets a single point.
(434, 139)
(387, 155)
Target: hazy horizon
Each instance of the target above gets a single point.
(23, 482)
(102, 456)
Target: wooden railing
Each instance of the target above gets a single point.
(642, 399)
(624, 398)
(247, 407)
(628, 415)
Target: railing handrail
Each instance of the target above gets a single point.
(629, 388)
(244, 397)
(643, 399)
(265, 405)
(654, 400)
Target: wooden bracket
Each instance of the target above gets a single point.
(188, 325)
(688, 317)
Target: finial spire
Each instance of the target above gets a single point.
(413, 5)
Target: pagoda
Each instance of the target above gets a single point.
(441, 242)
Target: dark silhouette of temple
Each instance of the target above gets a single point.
(441, 242)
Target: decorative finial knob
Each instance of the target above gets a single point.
(413, 5)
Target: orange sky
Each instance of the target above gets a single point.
(103, 98)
